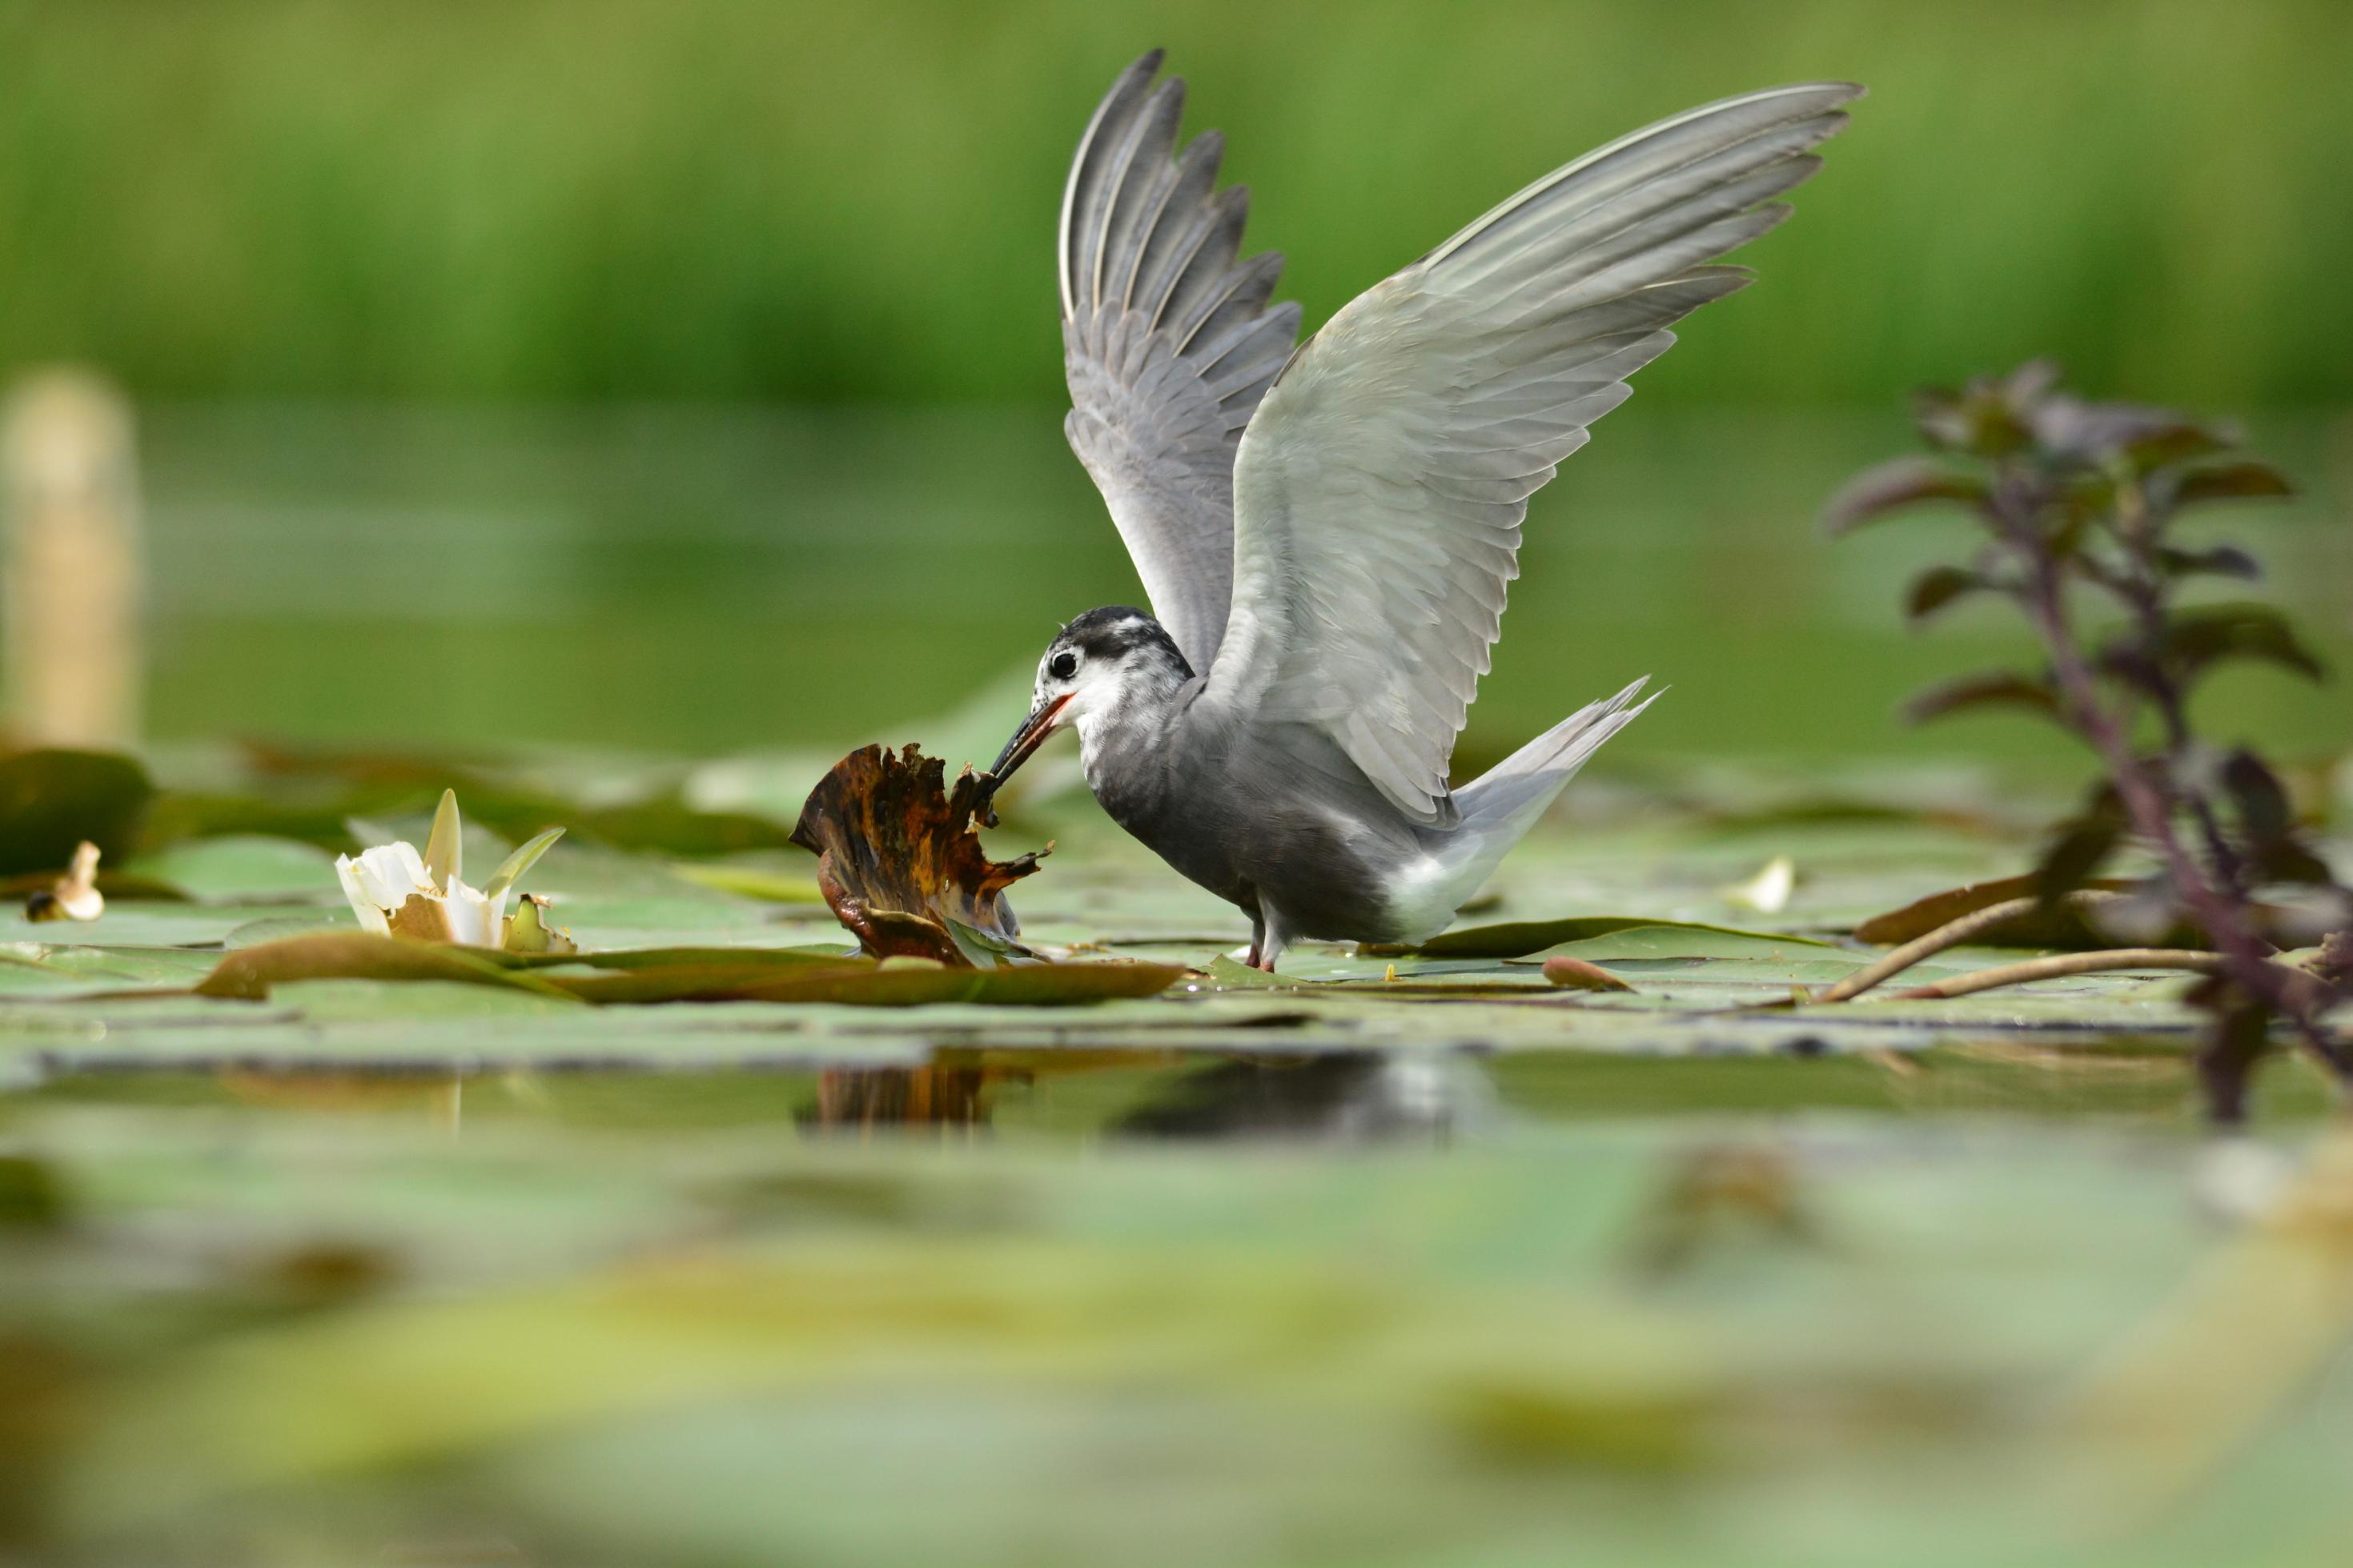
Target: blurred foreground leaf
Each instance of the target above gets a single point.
(51, 801)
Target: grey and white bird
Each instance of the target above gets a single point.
(1326, 534)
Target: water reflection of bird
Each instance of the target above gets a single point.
(1326, 534)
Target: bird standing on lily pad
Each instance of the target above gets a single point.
(1326, 534)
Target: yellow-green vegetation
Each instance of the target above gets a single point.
(713, 198)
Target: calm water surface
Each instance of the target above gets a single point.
(713, 579)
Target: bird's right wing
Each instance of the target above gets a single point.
(1379, 490)
(1168, 344)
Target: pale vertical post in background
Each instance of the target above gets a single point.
(70, 571)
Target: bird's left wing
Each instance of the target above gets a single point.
(1168, 343)
(1380, 489)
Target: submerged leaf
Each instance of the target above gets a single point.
(899, 861)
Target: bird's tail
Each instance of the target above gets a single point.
(1499, 806)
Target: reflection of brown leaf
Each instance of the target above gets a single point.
(898, 859)
(935, 1095)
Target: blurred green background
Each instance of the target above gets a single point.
(686, 374)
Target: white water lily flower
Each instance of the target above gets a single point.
(395, 891)
(75, 895)
(1767, 892)
(380, 881)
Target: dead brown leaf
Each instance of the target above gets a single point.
(900, 864)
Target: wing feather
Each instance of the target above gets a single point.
(1168, 344)
(1382, 484)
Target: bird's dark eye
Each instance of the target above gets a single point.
(1063, 665)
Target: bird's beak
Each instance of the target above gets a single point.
(1028, 738)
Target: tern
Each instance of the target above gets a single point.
(1327, 532)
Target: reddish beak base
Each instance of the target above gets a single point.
(1028, 738)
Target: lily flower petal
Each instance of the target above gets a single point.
(363, 901)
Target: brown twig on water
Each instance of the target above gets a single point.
(1948, 935)
(2066, 964)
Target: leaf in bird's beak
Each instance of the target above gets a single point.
(900, 864)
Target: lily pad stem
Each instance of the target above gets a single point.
(1950, 935)
(2069, 964)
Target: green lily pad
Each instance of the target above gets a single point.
(682, 974)
(248, 974)
(46, 970)
(1517, 939)
(243, 869)
(755, 882)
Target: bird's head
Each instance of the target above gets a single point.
(1105, 661)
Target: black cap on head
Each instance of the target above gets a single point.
(1117, 631)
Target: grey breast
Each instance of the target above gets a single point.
(1279, 814)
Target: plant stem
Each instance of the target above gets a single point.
(1950, 935)
(2144, 590)
(2069, 964)
(2245, 961)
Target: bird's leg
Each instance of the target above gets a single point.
(1267, 941)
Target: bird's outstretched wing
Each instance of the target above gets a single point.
(1167, 343)
(1381, 487)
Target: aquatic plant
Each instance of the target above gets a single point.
(2081, 506)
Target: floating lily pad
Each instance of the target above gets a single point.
(1517, 939)
(248, 974)
(243, 868)
(755, 882)
(685, 974)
